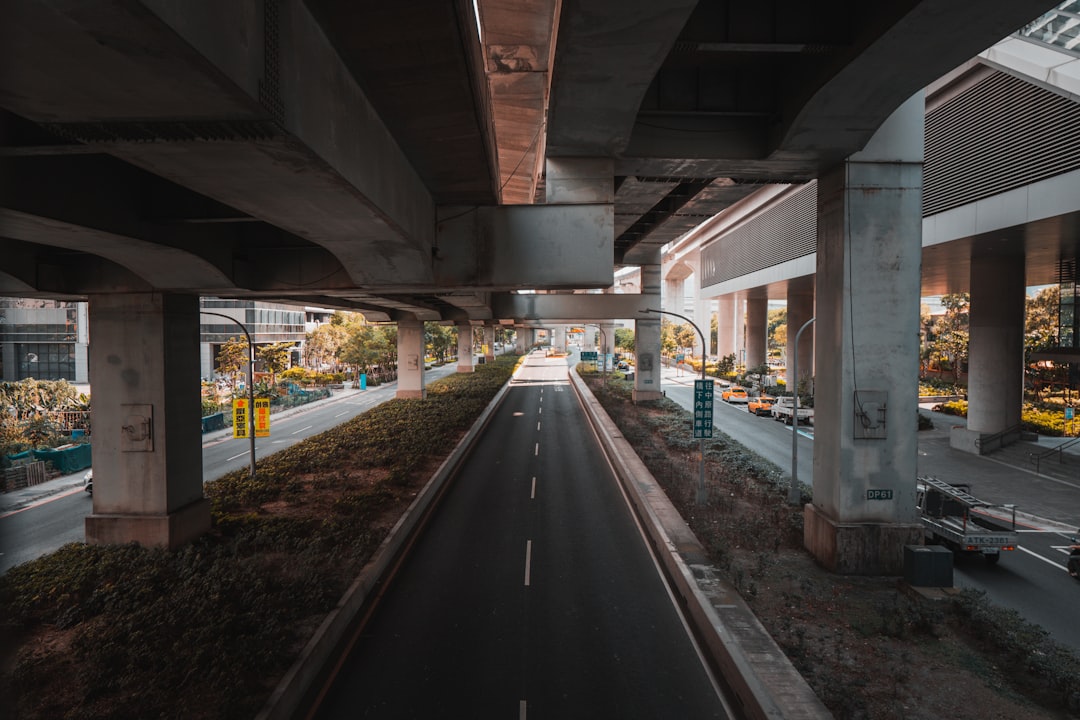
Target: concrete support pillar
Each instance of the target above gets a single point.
(647, 338)
(868, 281)
(672, 298)
(726, 343)
(147, 444)
(800, 308)
(995, 349)
(410, 348)
(607, 342)
(703, 308)
(489, 343)
(740, 330)
(558, 337)
(757, 327)
(464, 348)
(522, 340)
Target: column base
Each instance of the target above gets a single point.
(960, 438)
(465, 368)
(171, 530)
(858, 548)
(410, 394)
(645, 395)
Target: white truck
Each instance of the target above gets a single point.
(783, 409)
(952, 516)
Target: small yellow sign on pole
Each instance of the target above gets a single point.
(240, 418)
(262, 417)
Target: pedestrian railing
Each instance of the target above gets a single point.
(1037, 458)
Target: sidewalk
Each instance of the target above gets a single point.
(25, 497)
(1046, 500)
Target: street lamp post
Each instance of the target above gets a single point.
(794, 494)
(603, 347)
(702, 493)
(251, 385)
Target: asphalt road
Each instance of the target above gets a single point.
(531, 593)
(1032, 580)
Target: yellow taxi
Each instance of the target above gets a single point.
(735, 394)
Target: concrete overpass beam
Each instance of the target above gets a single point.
(996, 350)
(647, 336)
(868, 272)
(464, 348)
(144, 362)
(526, 246)
(571, 309)
(410, 345)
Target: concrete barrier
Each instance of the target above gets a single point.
(764, 682)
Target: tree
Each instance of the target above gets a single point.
(1040, 334)
(779, 337)
(363, 348)
(322, 343)
(667, 337)
(685, 336)
(776, 329)
(233, 359)
(624, 339)
(277, 357)
(438, 339)
(950, 332)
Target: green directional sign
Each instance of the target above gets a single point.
(588, 355)
(703, 408)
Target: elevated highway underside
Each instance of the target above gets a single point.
(332, 154)
(427, 162)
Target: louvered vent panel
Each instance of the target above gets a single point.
(999, 135)
(786, 232)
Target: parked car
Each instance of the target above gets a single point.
(761, 405)
(88, 481)
(735, 394)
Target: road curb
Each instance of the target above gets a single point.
(337, 633)
(748, 660)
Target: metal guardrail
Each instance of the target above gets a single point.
(987, 442)
(1037, 458)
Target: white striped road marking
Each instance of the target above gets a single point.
(528, 560)
(521, 711)
(246, 452)
(537, 426)
(1046, 560)
(533, 495)
(302, 429)
(536, 451)
(342, 413)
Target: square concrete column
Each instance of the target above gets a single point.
(464, 348)
(146, 440)
(866, 346)
(800, 308)
(558, 337)
(995, 346)
(647, 338)
(703, 310)
(489, 343)
(410, 347)
(725, 326)
(757, 329)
